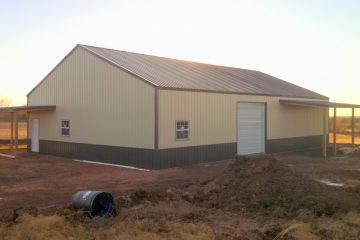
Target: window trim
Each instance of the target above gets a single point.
(61, 127)
(188, 130)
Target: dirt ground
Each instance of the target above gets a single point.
(43, 180)
(258, 197)
(339, 169)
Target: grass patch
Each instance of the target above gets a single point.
(310, 206)
(57, 228)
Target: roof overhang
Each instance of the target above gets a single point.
(317, 103)
(27, 108)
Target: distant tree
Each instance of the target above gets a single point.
(5, 102)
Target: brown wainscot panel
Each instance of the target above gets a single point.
(172, 157)
(137, 157)
(166, 158)
(293, 144)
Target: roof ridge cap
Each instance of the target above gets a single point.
(169, 58)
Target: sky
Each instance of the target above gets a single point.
(311, 43)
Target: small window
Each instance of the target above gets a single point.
(182, 130)
(65, 128)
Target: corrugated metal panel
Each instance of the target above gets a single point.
(178, 74)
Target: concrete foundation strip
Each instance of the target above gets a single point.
(113, 165)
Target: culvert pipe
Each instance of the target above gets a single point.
(94, 203)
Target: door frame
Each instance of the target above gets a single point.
(265, 127)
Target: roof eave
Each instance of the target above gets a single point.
(322, 104)
(241, 93)
(27, 108)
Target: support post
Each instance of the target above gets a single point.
(353, 126)
(325, 118)
(16, 134)
(334, 132)
(27, 130)
(12, 131)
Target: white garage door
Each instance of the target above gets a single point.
(250, 128)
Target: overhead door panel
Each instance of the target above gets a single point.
(250, 128)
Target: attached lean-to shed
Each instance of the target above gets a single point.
(153, 112)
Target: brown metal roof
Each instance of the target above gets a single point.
(28, 108)
(323, 104)
(166, 73)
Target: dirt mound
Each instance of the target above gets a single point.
(262, 183)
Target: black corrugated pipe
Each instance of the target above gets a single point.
(94, 203)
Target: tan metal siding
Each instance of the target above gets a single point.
(105, 105)
(212, 118)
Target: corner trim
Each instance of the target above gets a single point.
(156, 127)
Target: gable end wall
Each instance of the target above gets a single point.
(105, 105)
